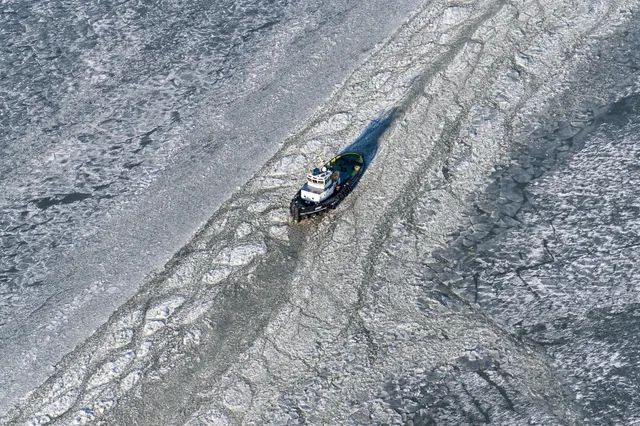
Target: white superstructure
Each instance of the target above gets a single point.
(319, 186)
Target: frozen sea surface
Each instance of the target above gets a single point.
(124, 126)
(483, 271)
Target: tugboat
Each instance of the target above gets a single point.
(326, 187)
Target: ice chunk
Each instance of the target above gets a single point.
(110, 370)
(164, 309)
(238, 396)
(335, 123)
(216, 275)
(243, 230)
(144, 349)
(240, 254)
(278, 216)
(279, 232)
(290, 165)
(259, 206)
(130, 380)
(84, 416)
(151, 327)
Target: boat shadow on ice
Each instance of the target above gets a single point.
(367, 143)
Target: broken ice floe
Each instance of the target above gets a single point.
(240, 255)
(217, 274)
(243, 230)
(110, 370)
(279, 232)
(164, 309)
(333, 124)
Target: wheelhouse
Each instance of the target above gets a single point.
(319, 185)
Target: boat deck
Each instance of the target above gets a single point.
(348, 165)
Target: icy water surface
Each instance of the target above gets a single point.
(124, 125)
(482, 272)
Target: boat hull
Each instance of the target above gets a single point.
(303, 209)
